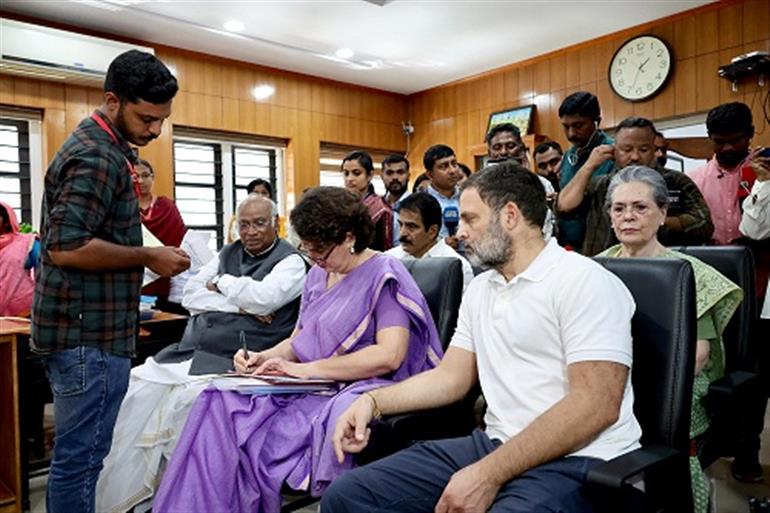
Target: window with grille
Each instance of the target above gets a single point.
(198, 187)
(211, 173)
(15, 187)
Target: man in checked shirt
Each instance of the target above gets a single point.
(85, 308)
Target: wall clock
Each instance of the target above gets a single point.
(640, 68)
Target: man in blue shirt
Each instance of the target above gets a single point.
(441, 165)
(580, 117)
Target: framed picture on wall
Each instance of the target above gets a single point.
(519, 116)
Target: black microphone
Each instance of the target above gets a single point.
(451, 219)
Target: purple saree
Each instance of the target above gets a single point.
(237, 450)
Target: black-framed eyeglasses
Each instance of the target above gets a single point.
(316, 259)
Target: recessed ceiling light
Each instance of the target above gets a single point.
(234, 26)
(262, 92)
(344, 53)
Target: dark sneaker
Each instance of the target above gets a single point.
(746, 471)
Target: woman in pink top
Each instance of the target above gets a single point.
(18, 255)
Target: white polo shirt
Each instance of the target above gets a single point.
(564, 308)
(439, 249)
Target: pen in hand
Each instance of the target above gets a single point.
(245, 349)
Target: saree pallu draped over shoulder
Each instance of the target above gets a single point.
(236, 451)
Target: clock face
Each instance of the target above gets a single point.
(640, 68)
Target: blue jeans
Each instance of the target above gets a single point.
(412, 480)
(88, 386)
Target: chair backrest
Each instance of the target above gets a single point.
(736, 263)
(441, 282)
(663, 329)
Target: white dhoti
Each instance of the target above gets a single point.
(151, 417)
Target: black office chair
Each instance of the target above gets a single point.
(664, 330)
(441, 282)
(739, 391)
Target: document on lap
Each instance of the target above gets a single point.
(267, 384)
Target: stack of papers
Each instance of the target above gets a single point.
(269, 384)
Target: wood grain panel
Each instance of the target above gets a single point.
(558, 70)
(588, 69)
(707, 81)
(706, 27)
(684, 87)
(756, 20)
(730, 25)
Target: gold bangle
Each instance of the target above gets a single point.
(377, 413)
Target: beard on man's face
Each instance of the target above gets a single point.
(395, 187)
(492, 250)
(122, 126)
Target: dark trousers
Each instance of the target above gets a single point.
(412, 480)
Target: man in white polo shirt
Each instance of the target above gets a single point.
(548, 334)
(419, 219)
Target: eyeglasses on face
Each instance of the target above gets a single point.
(313, 253)
(259, 224)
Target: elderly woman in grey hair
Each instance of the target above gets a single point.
(637, 200)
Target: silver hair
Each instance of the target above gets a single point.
(256, 198)
(643, 174)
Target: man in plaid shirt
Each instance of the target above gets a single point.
(85, 309)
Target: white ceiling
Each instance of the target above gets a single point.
(405, 46)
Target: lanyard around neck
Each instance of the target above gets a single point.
(104, 126)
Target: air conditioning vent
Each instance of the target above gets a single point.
(52, 54)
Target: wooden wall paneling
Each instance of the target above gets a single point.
(644, 109)
(212, 112)
(756, 20)
(541, 84)
(497, 91)
(246, 81)
(706, 81)
(247, 116)
(462, 99)
(51, 94)
(160, 153)
(212, 78)
(511, 86)
(526, 83)
(572, 68)
(76, 101)
(262, 118)
(542, 113)
(484, 93)
(588, 64)
(317, 96)
(54, 126)
(663, 104)
(6, 89)
(621, 109)
(230, 82)
(26, 92)
(558, 71)
(685, 42)
(730, 25)
(706, 27)
(229, 114)
(606, 102)
(684, 87)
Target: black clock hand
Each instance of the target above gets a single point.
(643, 64)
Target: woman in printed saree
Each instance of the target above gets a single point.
(637, 199)
(19, 253)
(161, 217)
(358, 170)
(363, 322)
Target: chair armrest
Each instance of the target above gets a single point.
(617, 473)
(732, 391)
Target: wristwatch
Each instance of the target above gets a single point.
(215, 282)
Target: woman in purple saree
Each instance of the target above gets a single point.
(363, 322)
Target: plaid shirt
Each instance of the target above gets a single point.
(89, 193)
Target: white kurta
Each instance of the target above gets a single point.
(440, 249)
(160, 396)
